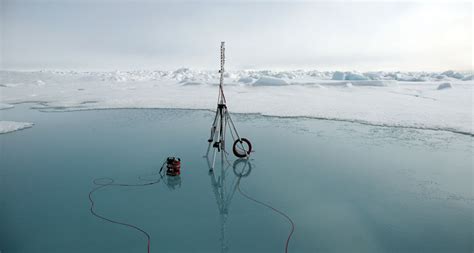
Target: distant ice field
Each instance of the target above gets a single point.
(424, 100)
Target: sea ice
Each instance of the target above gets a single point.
(355, 76)
(468, 78)
(5, 106)
(453, 74)
(245, 80)
(270, 81)
(338, 75)
(11, 126)
(445, 86)
(382, 100)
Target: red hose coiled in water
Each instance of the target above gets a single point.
(245, 174)
(111, 183)
(275, 210)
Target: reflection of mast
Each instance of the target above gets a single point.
(224, 197)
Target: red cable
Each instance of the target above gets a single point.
(111, 182)
(274, 209)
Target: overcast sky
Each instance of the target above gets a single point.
(89, 35)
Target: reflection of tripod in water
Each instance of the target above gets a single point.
(242, 147)
(241, 168)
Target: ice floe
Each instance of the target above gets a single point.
(5, 106)
(11, 126)
(445, 86)
(401, 99)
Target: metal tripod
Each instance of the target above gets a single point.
(222, 120)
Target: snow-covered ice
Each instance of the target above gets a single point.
(338, 75)
(401, 99)
(11, 126)
(5, 106)
(269, 81)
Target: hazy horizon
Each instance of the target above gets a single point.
(124, 35)
(216, 69)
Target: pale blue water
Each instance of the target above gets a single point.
(347, 187)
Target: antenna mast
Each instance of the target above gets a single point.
(222, 121)
(221, 71)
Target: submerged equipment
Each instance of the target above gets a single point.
(222, 120)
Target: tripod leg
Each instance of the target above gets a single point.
(213, 159)
(226, 123)
(221, 129)
(213, 138)
(216, 139)
(223, 125)
(209, 147)
(213, 127)
(210, 144)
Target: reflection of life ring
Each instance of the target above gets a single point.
(242, 147)
(246, 169)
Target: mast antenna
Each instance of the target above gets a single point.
(221, 71)
(222, 120)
